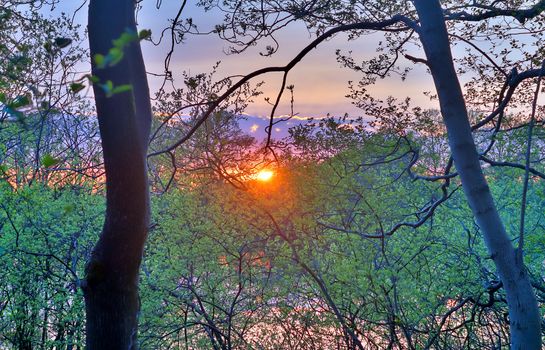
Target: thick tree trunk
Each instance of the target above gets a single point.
(111, 285)
(523, 309)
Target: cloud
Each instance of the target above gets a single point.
(287, 116)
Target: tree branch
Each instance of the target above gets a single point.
(285, 69)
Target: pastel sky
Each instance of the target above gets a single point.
(320, 82)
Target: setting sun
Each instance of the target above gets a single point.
(265, 175)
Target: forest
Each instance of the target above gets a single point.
(139, 211)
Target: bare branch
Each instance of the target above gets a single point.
(284, 69)
(520, 15)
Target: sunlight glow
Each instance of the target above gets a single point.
(264, 175)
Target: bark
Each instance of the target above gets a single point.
(523, 309)
(111, 284)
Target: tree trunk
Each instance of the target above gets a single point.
(523, 309)
(111, 284)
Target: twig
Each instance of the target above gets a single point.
(527, 166)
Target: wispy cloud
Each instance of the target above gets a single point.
(286, 116)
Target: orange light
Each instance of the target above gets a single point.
(264, 175)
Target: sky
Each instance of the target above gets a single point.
(320, 82)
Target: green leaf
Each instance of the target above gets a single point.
(121, 88)
(15, 113)
(108, 87)
(19, 102)
(92, 78)
(144, 34)
(111, 90)
(48, 161)
(192, 83)
(20, 61)
(68, 208)
(125, 39)
(115, 55)
(62, 42)
(76, 87)
(48, 47)
(100, 60)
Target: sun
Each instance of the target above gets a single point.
(264, 175)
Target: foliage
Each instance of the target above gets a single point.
(46, 238)
(362, 236)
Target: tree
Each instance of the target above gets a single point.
(524, 317)
(124, 113)
(111, 284)
(400, 22)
